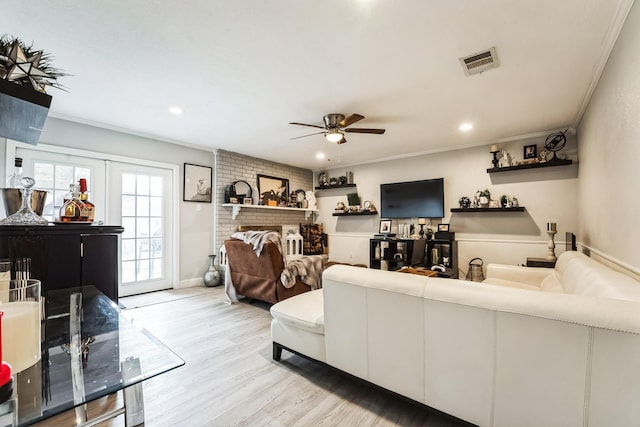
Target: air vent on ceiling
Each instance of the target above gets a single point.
(480, 61)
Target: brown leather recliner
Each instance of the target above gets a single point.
(259, 277)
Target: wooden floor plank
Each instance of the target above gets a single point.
(230, 378)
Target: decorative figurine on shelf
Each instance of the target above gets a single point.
(495, 161)
(311, 200)
(554, 143)
(323, 180)
(422, 222)
(507, 160)
(543, 156)
(464, 202)
(551, 231)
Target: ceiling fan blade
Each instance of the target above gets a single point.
(350, 120)
(304, 124)
(365, 130)
(311, 134)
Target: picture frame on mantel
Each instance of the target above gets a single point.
(273, 191)
(197, 183)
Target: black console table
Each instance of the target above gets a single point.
(66, 255)
(396, 253)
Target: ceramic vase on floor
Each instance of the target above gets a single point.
(212, 277)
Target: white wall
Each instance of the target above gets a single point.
(609, 141)
(196, 219)
(495, 237)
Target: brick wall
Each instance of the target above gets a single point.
(231, 167)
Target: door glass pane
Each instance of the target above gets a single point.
(155, 186)
(142, 184)
(142, 204)
(55, 178)
(128, 183)
(143, 220)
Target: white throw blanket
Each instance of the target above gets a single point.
(257, 239)
(309, 268)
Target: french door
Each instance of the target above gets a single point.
(141, 197)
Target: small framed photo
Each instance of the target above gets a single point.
(233, 200)
(247, 201)
(530, 151)
(443, 227)
(385, 226)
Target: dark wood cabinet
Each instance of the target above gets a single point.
(65, 256)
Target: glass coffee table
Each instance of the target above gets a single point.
(89, 350)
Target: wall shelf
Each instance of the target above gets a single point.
(518, 209)
(355, 213)
(549, 164)
(236, 207)
(331, 187)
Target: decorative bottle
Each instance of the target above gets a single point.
(13, 180)
(88, 210)
(71, 210)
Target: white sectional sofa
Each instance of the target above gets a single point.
(562, 350)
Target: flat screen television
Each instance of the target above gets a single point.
(414, 199)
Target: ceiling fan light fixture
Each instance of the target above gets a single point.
(334, 136)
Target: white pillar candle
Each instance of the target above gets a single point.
(494, 148)
(21, 334)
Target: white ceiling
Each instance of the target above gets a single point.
(242, 70)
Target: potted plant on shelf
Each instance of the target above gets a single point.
(484, 197)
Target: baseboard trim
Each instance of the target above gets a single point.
(189, 283)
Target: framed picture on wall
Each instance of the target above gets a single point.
(197, 183)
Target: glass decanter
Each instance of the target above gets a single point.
(25, 215)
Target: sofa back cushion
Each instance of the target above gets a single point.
(582, 275)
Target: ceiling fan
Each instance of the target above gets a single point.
(335, 126)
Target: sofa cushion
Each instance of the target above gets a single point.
(551, 284)
(582, 275)
(510, 284)
(304, 311)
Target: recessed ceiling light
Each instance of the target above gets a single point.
(175, 110)
(320, 156)
(465, 127)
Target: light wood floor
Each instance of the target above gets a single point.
(230, 378)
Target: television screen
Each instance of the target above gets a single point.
(415, 199)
